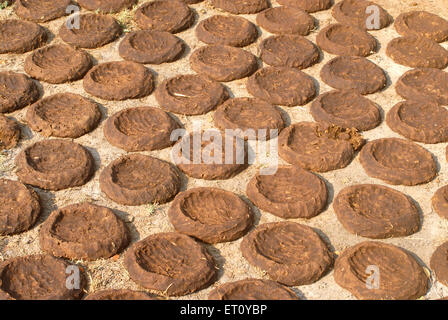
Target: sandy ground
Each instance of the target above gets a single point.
(146, 220)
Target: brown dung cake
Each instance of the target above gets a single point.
(318, 146)
(227, 30)
(55, 164)
(49, 279)
(307, 5)
(171, 263)
(252, 289)
(18, 36)
(41, 10)
(417, 52)
(107, 6)
(360, 74)
(290, 253)
(149, 46)
(171, 16)
(422, 23)
(424, 84)
(58, 64)
(347, 109)
(9, 133)
(137, 179)
(119, 80)
(255, 118)
(190, 94)
(291, 192)
(400, 275)
(398, 161)
(286, 20)
(195, 155)
(241, 7)
(63, 115)
(83, 231)
(211, 215)
(16, 91)
(289, 51)
(140, 129)
(346, 40)
(282, 86)
(419, 121)
(376, 211)
(95, 30)
(20, 207)
(223, 63)
(354, 12)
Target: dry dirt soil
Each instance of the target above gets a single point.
(146, 220)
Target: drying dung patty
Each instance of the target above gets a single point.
(223, 63)
(40, 277)
(425, 122)
(241, 7)
(41, 10)
(318, 146)
(16, 91)
(424, 84)
(58, 64)
(170, 16)
(360, 13)
(149, 46)
(211, 215)
(286, 20)
(290, 253)
(83, 231)
(440, 202)
(119, 80)
(136, 179)
(282, 86)
(172, 263)
(307, 5)
(417, 52)
(227, 30)
(291, 192)
(55, 164)
(63, 115)
(289, 50)
(203, 155)
(20, 207)
(422, 24)
(17, 36)
(399, 275)
(119, 294)
(256, 118)
(361, 74)
(345, 40)
(95, 30)
(140, 129)
(376, 211)
(347, 109)
(398, 161)
(190, 94)
(9, 133)
(439, 263)
(107, 6)
(252, 289)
